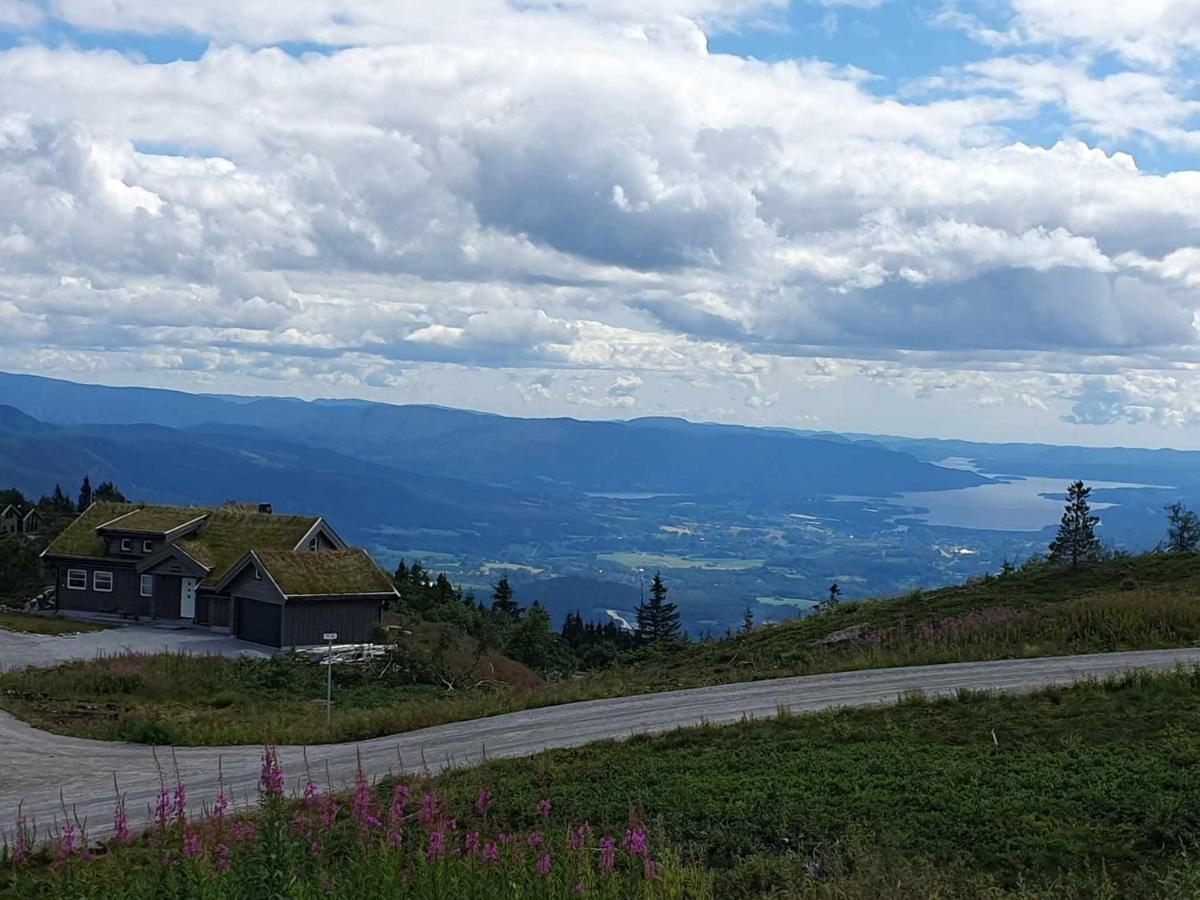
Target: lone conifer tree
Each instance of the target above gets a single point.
(502, 599)
(657, 620)
(748, 621)
(1076, 540)
(1183, 529)
(85, 494)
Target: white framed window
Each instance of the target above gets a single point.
(126, 546)
(77, 579)
(312, 545)
(147, 585)
(102, 581)
(147, 546)
(257, 573)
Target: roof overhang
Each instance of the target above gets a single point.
(188, 564)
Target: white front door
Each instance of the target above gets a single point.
(187, 598)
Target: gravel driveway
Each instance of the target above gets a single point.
(19, 650)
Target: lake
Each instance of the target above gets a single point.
(1015, 504)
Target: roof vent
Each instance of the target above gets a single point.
(265, 508)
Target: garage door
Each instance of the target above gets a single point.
(259, 622)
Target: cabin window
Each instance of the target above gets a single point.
(312, 545)
(257, 574)
(102, 581)
(147, 585)
(76, 579)
(126, 546)
(147, 546)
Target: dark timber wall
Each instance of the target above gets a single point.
(353, 618)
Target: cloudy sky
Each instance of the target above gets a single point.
(971, 218)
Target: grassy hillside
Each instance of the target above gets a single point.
(1089, 791)
(1136, 603)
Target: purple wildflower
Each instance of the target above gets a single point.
(534, 839)
(429, 809)
(311, 795)
(21, 845)
(67, 843)
(483, 802)
(120, 824)
(579, 837)
(364, 813)
(270, 780)
(191, 845)
(221, 807)
(437, 845)
(637, 842)
(223, 854)
(608, 856)
(179, 801)
(162, 809)
(472, 842)
(544, 807)
(543, 866)
(491, 853)
(578, 889)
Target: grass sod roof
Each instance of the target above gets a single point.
(326, 572)
(156, 519)
(228, 534)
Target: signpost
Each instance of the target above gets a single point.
(330, 637)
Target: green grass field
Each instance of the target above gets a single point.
(30, 624)
(1091, 791)
(1145, 603)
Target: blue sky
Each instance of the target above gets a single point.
(971, 219)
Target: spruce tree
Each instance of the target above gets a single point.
(502, 599)
(657, 619)
(1076, 540)
(748, 621)
(1183, 529)
(85, 494)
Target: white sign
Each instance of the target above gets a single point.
(329, 636)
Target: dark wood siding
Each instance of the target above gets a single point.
(353, 618)
(122, 599)
(166, 596)
(259, 622)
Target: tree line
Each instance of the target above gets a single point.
(526, 633)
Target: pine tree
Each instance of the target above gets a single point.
(85, 493)
(835, 593)
(502, 599)
(107, 491)
(657, 619)
(747, 621)
(1183, 529)
(1076, 540)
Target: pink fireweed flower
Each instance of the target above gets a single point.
(503, 838)
(21, 842)
(363, 810)
(534, 839)
(437, 845)
(120, 825)
(544, 807)
(162, 809)
(608, 855)
(491, 853)
(483, 802)
(270, 780)
(429, 809)
(543, 866)
(329, 814)
(191, 845)
(579, 837)
(311, 795)
(636, 842)
(578, 889)
(649, 869)
(241, 832)
(221, 807)
(67, 843)
(223, 854)
(179, 801)
(471, 842)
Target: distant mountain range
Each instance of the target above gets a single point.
(742, 517)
